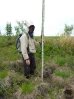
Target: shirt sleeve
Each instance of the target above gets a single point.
(24, 42)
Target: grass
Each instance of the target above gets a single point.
(8, 49)
(27, 87)
(3, 74)
(54, 92)
(62, 74)
(66, 73)
(59, 50)
(60, 60)
(59, 45)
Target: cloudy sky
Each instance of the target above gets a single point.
(57, 14)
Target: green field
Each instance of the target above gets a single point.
(58, 51)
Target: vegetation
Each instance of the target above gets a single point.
(27, 87)
(8, 29)
(57, 50)
(68, 30)
(21, 27)
(3, 74)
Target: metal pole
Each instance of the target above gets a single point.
(42, 35)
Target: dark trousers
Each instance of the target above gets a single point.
(29, 69)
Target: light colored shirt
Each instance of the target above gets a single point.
(26, 41)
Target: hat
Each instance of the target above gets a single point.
(29, 23)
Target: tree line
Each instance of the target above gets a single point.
(21, 28)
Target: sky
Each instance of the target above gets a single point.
(57, 14)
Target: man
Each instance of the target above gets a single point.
(28, 50)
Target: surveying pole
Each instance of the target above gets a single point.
(42, 36)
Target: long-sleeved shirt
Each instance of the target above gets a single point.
(26, 42)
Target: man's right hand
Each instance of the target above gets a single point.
(28, 62)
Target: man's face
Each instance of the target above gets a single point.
(31, 29)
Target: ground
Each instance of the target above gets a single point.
(58, 70)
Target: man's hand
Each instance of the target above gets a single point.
(28, 62)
